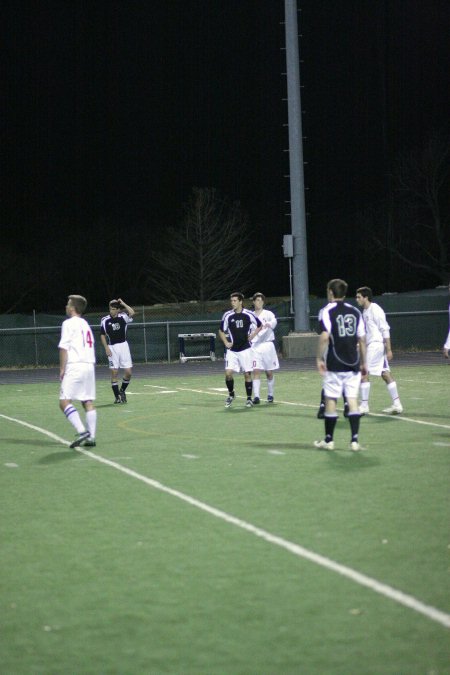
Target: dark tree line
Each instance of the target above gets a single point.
(399, 243)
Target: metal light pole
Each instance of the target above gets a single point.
(298, 219)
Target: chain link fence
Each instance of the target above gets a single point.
(32, 340)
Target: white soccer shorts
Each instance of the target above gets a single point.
(239, 361)
(120, 356)
(376, 359)
(265, 357)
(78, 383)
(336, 384)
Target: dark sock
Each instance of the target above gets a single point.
(248, 389)
(115, 388)
(354, 419)
(230, 385)
(330, 423)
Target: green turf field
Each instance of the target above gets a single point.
(197, 540)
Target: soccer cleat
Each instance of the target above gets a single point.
(229, 400)
(79, 439)
(363, 409)
(256, 401)
(270, 399)
(324, 444)
(321, 412)
(88, 443)
(123, 396)
(118, 400)
(354, 446)
(394, 409)
(249, 403)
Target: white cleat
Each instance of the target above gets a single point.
(394, 409)
(363, 409)
(355, 447)
(324, 445)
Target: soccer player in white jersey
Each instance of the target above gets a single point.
(264, 353)
(379, 351)
(77, 371)
(446, 347)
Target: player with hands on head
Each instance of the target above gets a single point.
(264, 353)
(238, 327)
(113, 335)
(77, 371)
(341, 360)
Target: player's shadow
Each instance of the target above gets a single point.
(279, 445)
(109, 405)
(441, 434)
(57, 457)
(340, 459)
(30, 442)
(346, 460)
(236, 410)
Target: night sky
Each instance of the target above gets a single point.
(116, 110)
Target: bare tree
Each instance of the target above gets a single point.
(207, 256)
(420, 237)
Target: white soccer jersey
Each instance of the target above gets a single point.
(377, 327)
(78, 340)
(269, 322)
(447, 342)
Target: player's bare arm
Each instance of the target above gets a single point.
(362, 355)
(105, 345)
(224, 339)
(62, 362)
(388, 347)
(129, 310)
(321, 351)
(255, 332)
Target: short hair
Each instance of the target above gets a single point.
(237, 294)
(366, 292)
(115, 304)
(78, 303)
(259, 295)
(338, 287)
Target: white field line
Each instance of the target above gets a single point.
(378, 587)
(215, 393)
(400, 418)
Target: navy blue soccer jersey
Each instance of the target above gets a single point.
(345, 325)
(115, 330)
(238, 326)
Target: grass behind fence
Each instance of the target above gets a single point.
(103, 573)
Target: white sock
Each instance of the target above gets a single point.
(392, 389)
(74, 418)
(365, 391)
(256, 387)
(91, 422)
(270, 386)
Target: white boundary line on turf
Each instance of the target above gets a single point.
(378, 587)
(400, 418)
